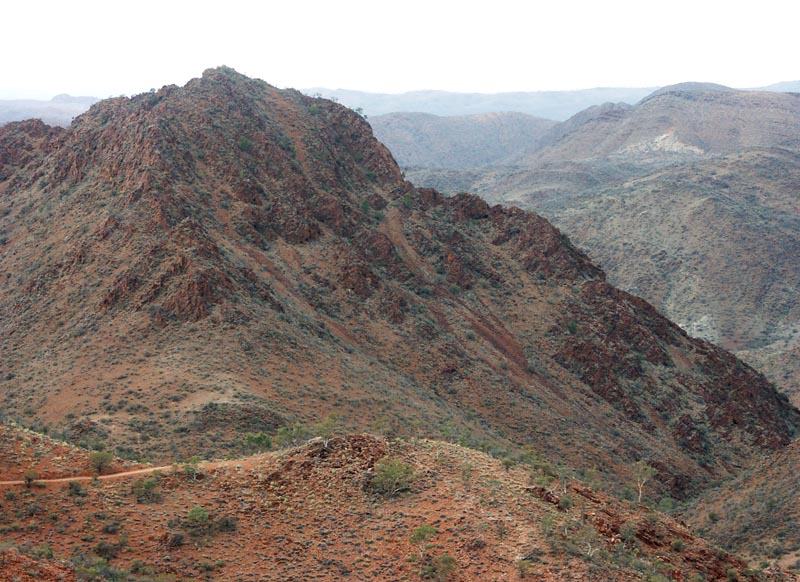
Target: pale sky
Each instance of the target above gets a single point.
(112, 48)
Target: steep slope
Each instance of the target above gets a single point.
(688, 199)
(459, 141)
(318, 512)
(758, 513)
(182, 268)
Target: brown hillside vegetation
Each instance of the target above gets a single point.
(316, 512)
(27, 453)
(757, 514)
(188, 266)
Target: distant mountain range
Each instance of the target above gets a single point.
(459, 141)
(60, 110)
(554, 105)
(551, 105)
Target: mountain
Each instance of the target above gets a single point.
(556, 105)
(684, 121)
(60, 110)
(784, 87)
(180, 269)
(332, 509)
(458, 141)
(687, 199)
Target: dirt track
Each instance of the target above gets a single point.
(91, 477)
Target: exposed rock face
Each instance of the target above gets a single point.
(230, 243)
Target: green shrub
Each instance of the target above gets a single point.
(198, 516)
(392, 477)
(75, 489)
(257, 442)
(245, 145)
(100, 460)
(144, 490)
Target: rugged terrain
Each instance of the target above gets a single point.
(196, 270)
(758, 513)
(688, 199)
(184, 267)
(322, 512)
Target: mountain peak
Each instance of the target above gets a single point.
(688, 88)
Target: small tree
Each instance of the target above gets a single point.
(565, 475)
(327, 428)
(100, 460)
(191, 467)
(257, 442)
(145, 489)
(29, 477)
(392, 477)
(643, 473)
(421, 536)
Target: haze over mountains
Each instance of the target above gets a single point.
(184, 269)
(60, 110)
(553, 105)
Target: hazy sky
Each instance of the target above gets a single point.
(112, 48)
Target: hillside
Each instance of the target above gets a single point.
(458, 141)
(687, 199)
(27, 453)
(680, 123)
(321, 511)
(182, 268)
(758, 513)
